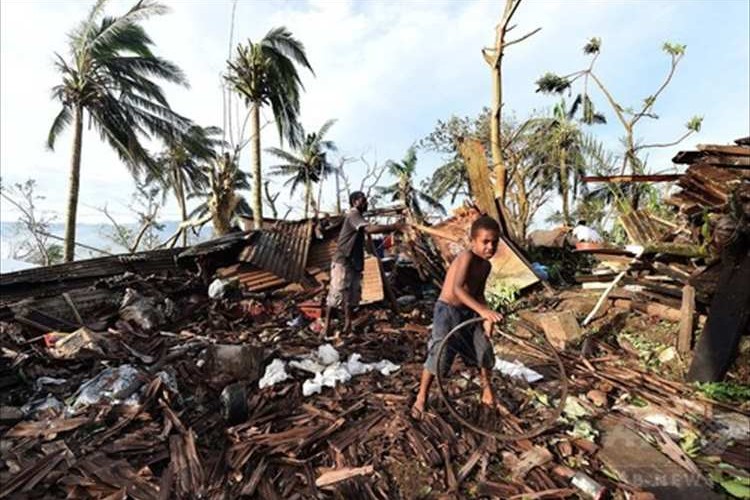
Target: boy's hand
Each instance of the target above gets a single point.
(491, 316)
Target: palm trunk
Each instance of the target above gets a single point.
(564, 189)
(307, 194)
(320, 196)
(179, 191)
(74, 186)
(255, 164)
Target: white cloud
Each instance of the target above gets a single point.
(386, 70)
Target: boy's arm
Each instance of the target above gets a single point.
(459, 290)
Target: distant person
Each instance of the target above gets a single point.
(582, 233)
(345, 289)
(462, 298)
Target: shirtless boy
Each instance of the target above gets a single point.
(462, 298)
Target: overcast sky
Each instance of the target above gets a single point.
(386, 70)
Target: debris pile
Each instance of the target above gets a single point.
(143, 377)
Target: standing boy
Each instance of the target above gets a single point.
(461, 298)
(349, 261)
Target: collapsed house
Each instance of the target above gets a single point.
(188, 373)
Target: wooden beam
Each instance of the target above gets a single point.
(687, 312)
(479, 176)
(632, 178)
(727, 150)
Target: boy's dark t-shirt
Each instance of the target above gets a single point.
(350, 247)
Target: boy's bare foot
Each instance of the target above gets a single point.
(488, 400)
(417, 410)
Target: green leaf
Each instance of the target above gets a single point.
(695, 123)
(593, 46)
(552, 83)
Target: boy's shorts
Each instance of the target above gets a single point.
(470, 342)
(345, 286)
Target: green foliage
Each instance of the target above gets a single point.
(727, 392)
(552, 83)
(111, 74)
(265, 73)
(500, 295)
(736, 486)
(309, 164)
(593, 46)
(674, 49)
(694, 123)
(403, 190)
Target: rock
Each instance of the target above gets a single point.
(241, 362)
(599, 398)
(560, 328)
(652, 470)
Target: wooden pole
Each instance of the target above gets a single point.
(386, 286)
(687, 313)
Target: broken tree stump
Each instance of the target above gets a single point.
(687, 313)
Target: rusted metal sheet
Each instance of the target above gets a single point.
(281, 249)
(507, 266)
(52, 280)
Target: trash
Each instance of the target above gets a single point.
(297, 322)
(588, 486)
(223, 288)
(275, 373)
(234, 403)
(69, 346)
(105, 386)
(242, 362)
(40, 382)
(327, 354)
(540, 270)
(406, 300)
(49, 405)
(516, 370)
(141, 311)
(385, 367)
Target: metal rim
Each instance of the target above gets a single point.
(546, 425)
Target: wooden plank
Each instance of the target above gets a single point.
(687, 312)
(728, 150)
(632, 178)
(479, 176)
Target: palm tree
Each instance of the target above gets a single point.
(309, 165)
(221, 203)
(560, 144)
(182, 165)
(265, 73)
(109, 76)
(403, 189)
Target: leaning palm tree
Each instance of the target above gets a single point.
(221, 202)
(403, 189)
(308, 164)
(182, 165)
(265, 73)
(109, 76)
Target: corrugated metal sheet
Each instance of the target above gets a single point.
(51, 280)
(281, 250)
(506, 265)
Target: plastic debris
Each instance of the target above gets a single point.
(49, 403)
(324, 363)
(275, 373)
(106, 385)
(221, 288)
(141, 311)
(515, 369)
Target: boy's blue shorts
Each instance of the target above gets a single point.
(470, 343)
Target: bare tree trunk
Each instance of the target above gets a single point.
(307, 194)
(255, 164)
(74, 186)
(320, 196)
(564, 188)
(496, 123)
(338, 189)
(179, 189)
